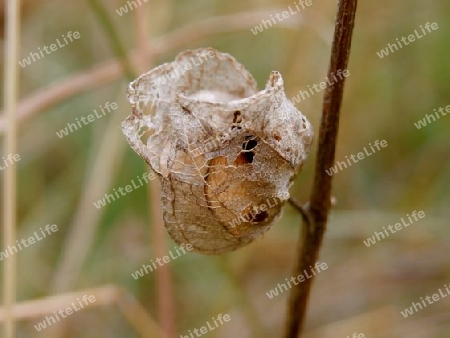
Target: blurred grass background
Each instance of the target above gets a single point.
(363, 290)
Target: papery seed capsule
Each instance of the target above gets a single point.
(226, 153)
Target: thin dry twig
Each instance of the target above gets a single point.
(314, 228)
(10, 172)
(301, 208)
(109, 71)
(106, 295)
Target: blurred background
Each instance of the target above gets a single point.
(363, 290)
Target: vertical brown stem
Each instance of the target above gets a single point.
(312, 233)
(163, 277)
(164, 284)
(11, 86)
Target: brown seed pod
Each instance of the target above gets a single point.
(226, 153)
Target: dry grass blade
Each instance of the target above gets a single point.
(107, 295)
(10, 177)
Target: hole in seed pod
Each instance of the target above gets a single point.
(237, 118)
(304, 123)
(244, 157)
(259, 217)
(250, 143)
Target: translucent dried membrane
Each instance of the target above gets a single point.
(225, 152)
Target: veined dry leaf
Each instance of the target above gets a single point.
(226, 153)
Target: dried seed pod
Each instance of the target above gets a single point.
(226, 153)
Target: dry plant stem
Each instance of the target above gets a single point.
(106, 295)
(10, 184)
(106, 72)
(312, 233)
(164, 286)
